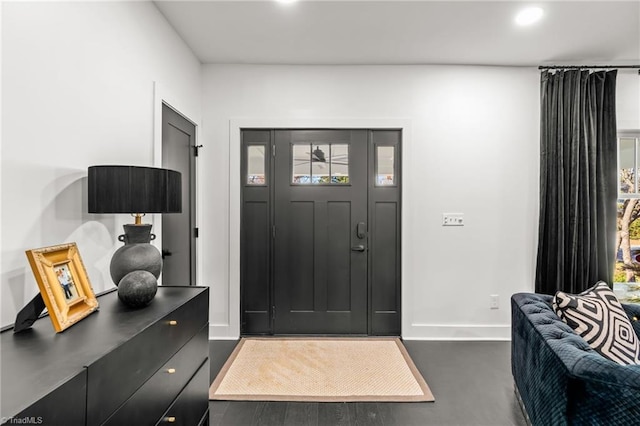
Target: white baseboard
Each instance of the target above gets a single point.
(482, 332)
(444, 332)
(221, 332)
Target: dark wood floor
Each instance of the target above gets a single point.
(471, 382)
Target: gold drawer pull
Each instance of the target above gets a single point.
(170, 419)
(173, 322)
(171, 370)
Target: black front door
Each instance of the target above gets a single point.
(320, 269)
(320, 232)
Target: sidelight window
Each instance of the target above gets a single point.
(385, 166)
(320, 164)
(256, 165)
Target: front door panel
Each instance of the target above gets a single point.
(320, 235)
(320, 269)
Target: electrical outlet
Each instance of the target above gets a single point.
(494, 301)
(452, 219)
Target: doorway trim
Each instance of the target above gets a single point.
(231, 329)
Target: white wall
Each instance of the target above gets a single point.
(78, 90)
(471, 145)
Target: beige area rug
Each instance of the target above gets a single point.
(320, 370)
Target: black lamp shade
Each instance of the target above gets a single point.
(133, 189)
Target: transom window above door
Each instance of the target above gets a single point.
(320, 164)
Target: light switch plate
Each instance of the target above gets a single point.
(452, 219)
(494, 301)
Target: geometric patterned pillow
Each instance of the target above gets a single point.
(599, 318)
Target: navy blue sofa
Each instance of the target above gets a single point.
(559, 379)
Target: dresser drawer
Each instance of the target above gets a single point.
(120, 373)
(153, 398)
(64, 406)
(192, 405)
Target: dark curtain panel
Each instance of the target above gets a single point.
(578, 183)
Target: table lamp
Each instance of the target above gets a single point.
(136, 266)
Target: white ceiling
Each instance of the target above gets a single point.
(407, 32)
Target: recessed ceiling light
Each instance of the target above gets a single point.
(529, 16)
(286, 1)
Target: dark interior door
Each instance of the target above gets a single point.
(178, 229)
(320, 213)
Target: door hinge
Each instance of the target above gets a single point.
(273, 150)
(196, 150)
(273, 231)
(273, 312)
(196, 232)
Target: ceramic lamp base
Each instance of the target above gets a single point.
(137, 288)
(137, 254)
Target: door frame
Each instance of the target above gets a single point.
(231, 328)
(162, 96)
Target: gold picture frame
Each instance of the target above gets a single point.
(63, 283)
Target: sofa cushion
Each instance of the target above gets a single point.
(599, 318)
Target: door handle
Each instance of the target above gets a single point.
(358, 248)
(361, 230)
(166, 253)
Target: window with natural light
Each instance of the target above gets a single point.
(627, 272)
(318, 164)
(256, 165)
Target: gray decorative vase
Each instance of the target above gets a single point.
(137, 254)
(137, 288)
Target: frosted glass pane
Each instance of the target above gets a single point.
(256, 165)
(339, 163)
(320, 164)
(385, 158)
(301, 155)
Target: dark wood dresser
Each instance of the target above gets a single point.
(119, 366)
